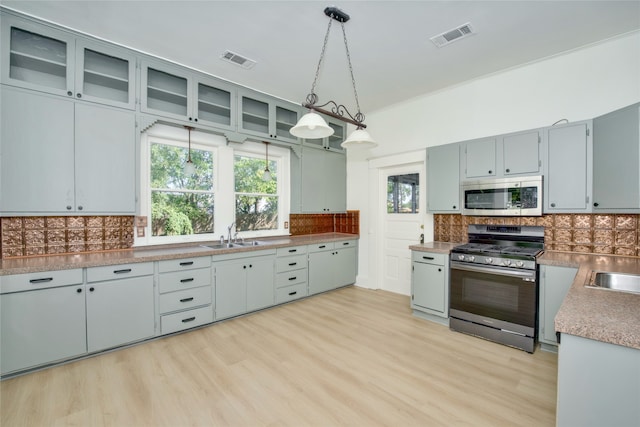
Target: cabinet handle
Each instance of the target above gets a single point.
(428, 257)
(291, 264)
(79, 208)
(91, 289)
(186, 299)
(69, 93)
(345, 244)
(322, 247)
(68, 207)
(78, 95)
(293, 250)
(244, 266)
(195, 120)
(507, 170)
(553, 205)
(595, 205)
(182, 264)
(439, 269)
(189, 319)
(454, 206)
(43, 280)
(190, 279)
(490, 172)
(125, 270)
(292, 278)
(293, 293)
(190, 119)
(79, 290)
(250, 265)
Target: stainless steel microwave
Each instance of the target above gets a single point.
(517, 196)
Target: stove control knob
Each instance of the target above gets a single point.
(520, 264)
(461, 257)
(506, 262)
(488, 260)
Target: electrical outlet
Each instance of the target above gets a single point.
(286, 225)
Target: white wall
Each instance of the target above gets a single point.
(578, 85)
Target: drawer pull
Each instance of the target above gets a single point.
(185, 263)
(293, 250)
(322, 246)
(189, 319)
(124, 270)
(186, 299)
(190, 279)
(345, 244)
(293, 293)
(428, 257)
(291, 264)
(292, 278)
(43, 280)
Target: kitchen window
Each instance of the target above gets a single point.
(402, 193)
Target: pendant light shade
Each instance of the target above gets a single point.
(311, 126)
(359, 138)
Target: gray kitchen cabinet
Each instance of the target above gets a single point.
(79, 147)
(120, 307)
(332, 265)
(554, 285)
(193, 98)
(42, 319)
(479, 158)
(324, 181)
(244, 282)
(430, 283)
(291, 273)
(568, 168)
(39, 57)
(443, 178)
(521, 153)
(616, 161)
(266, 117)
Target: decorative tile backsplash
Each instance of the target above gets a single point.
(32, 236)
(617, 234)
(348, 222)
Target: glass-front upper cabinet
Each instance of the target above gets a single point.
(267, 117)
(36, 56)
(332, 142)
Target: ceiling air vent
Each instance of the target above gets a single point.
(450, 36)
(236, 59)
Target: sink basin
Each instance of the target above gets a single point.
(615, 281)
(223, 246)
(251, 243)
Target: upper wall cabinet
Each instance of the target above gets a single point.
(41, 58)
(443, 179)
(174, 92)
(323, 178)
(502, 156)
(616, 161)
(333, 142)
(266, 117)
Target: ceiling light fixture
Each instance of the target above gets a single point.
(266, 175)
(189, 167)
(312, 125)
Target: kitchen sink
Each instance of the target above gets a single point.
(234, 245)
(615, 281)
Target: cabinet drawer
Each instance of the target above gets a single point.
(291, 250)
(291, 293)
(429, 257)
(120, 271)
(184, 264)
(289, 263)
(319, 247)
(185, 320)
(291, 278)
(182, 300)
(346, 244)
(43, 280)
(179, 280)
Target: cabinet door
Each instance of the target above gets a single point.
(254, 116)
(165, 91)
(286, 117)
(443, 178)
(260, 282)
(105, 74)
(231, 289)
(105, 160)
(616, 161)
(554, 285)
(36, 57)
(429, 286)
(480, 158)
(313, 180)
(567, 181)
(321, 265)
(119, 312)
(521, 153)
(43, 326)
(335, 182)
(334, 142)
(216, 104)
(345, 265)
(37, 162)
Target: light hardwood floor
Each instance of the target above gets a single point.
(348, 357)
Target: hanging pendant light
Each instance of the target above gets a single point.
(312, 125)
(266, 175)
(189, 167)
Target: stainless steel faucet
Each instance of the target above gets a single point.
(229, 229)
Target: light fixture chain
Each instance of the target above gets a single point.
(324, 47)
(359, 116)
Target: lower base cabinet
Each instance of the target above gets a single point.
(554, 285)
(430, 283)
(332, 265)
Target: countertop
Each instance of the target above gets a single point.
(599, 314)
(154, 253)
(437, 247)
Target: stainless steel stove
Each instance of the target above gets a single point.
(494, 284)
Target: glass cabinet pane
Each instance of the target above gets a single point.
(338, 136)
(255, 115)
(214, 105)
(105, 76)
(285, 120)
(38, 59)
(166, 92)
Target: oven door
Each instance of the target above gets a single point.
(501, 293)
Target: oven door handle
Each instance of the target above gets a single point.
(489, 270)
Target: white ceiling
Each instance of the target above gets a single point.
(393, 58)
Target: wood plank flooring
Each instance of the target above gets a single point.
(349, 357)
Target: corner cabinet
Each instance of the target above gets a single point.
(430, 283)
(323, 181)
(79, 146)
(443, 179)
(554, 285)
(266, 117)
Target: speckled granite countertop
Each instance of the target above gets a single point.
(598, 314)
(437, 247)
(153, 253)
